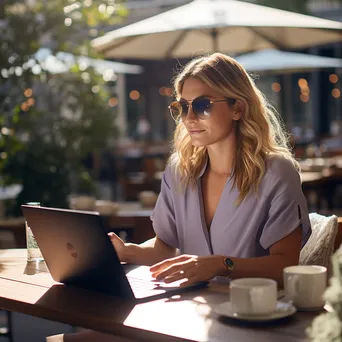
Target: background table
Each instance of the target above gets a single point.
(132, 218)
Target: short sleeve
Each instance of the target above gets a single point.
(163, 216)
(287, 207)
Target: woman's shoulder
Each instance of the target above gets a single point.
(280, 166)
(281, 175)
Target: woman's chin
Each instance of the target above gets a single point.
(198, 144)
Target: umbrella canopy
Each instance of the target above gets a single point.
(204, 26)
(63, 61)
(282, 62)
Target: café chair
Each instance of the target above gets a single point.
(320, 246)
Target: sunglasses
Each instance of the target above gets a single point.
(201, 108)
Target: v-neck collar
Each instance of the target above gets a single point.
(200, 175)
(206, 231)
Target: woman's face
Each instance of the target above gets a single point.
(219, 126)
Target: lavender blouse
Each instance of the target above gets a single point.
(245, 230)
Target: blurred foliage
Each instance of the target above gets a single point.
(300, 6)
(50, 122)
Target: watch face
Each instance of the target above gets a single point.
(229, 262)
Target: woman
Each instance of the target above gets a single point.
(231, 200)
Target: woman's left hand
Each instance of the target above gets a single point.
(191, 268)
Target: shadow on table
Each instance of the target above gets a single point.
(80, 307)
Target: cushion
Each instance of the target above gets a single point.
(320, 246)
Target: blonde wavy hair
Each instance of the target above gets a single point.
(259, 131)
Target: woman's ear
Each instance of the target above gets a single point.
(238, 110)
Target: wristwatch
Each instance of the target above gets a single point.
(228, 262)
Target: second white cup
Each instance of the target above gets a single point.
(304, 285)
(253, 296)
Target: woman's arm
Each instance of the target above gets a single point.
(147, 253)
(282, 254)
(194, 268)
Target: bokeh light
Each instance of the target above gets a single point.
(24, 107)
(165, 91)
(276, 87)
(134, 95)
(333, 78)
(336, 93)
(113, 102)
(302, 83)
(31, 101)
(28, 92)
(304, 98)
(67, 21)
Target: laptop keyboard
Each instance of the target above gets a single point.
(145, 288)
(144, 285)
(141, 284)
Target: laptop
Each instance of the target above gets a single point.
(78, 252)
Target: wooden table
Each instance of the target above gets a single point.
(30, 290)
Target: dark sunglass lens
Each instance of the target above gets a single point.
(201, 108)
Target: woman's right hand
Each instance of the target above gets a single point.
(118, 244)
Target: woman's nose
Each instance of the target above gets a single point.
(190, 115)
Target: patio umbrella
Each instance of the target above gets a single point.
(281, 62)
(204, 26)
(275, 61)
(63, 61)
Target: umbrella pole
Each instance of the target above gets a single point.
(214, 38)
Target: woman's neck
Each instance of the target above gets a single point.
(221, 157)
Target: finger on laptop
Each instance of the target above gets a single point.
(168, 262)
(180, 267)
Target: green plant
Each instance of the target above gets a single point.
(50, 122)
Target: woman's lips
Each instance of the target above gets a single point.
(196, 131)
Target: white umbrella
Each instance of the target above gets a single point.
(204, 26)
(281, 62)
(63, 61)
(276, 61)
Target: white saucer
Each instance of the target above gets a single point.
(282, 310)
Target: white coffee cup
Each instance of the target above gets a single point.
(253, 296)
(304, 285)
